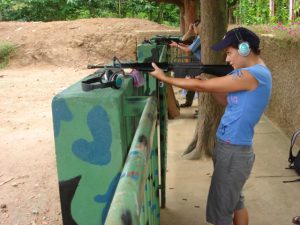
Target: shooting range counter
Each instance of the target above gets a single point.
(101, 144)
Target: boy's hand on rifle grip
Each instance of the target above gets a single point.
(157, 73)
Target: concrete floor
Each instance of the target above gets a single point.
(268, 199)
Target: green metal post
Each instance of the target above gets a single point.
(163, 120)
(156, 181)
(158, 53)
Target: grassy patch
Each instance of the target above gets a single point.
(6, 50)
(280, 31)
(289, 31)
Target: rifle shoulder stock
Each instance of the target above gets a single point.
(193, 69)
(217, 70)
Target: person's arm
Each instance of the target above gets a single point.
(225, 84)
(184, 48)
(188, 33)
(181, 46)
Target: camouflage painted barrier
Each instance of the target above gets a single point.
(93, 132)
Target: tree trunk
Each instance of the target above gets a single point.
(291, 10)
(230, 9)
(182, 23)
(190, 12)
(214, 26)
(272, 8)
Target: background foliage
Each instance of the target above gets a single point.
(51, 10)
(258, 12)
(244, 11)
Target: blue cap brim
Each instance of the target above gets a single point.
(227, 41)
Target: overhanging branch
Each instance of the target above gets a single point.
(176, 2)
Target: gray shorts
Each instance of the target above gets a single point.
(232, 167)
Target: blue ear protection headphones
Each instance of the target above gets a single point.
(107, 78)
(244, 47)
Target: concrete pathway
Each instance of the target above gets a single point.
(268, 199)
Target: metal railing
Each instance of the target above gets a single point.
(136, 199)
(141, 189)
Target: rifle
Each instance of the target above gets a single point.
(163, 40)
(180, 70)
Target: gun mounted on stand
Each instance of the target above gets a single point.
(166, 40)
(180, 70)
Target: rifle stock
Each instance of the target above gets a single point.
(193, 69)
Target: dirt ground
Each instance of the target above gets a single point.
(50, 57)
(76, 43)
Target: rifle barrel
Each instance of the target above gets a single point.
(145, 67)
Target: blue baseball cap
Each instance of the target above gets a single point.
(235, 37)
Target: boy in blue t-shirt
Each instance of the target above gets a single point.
(245, 92)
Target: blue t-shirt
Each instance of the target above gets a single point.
(244, 108)
(195, 48)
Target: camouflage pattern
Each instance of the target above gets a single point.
(136, 200)
(93, 131)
